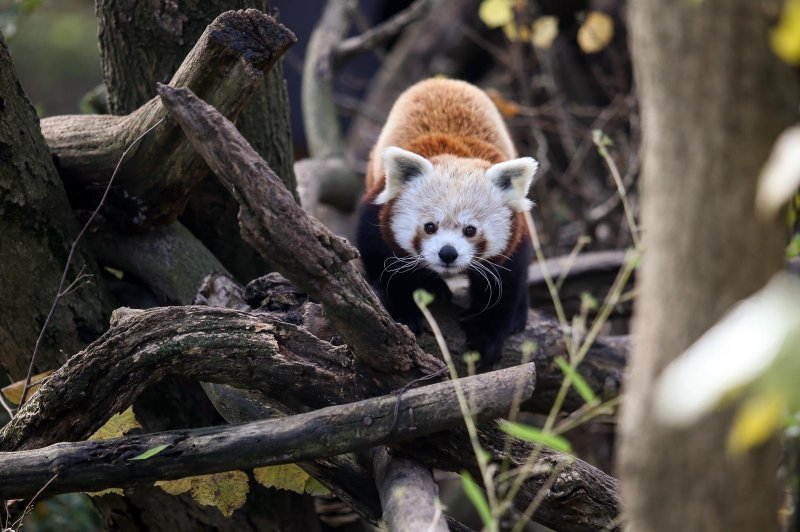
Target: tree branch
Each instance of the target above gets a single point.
(226, 66)
(306, 252)
(98, 465)
(409, 496)
(378, 35)
(286, 364)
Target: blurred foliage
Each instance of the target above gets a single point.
(73, 511)
(785, 39)
(54, 47)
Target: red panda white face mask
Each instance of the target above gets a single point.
(450, 212)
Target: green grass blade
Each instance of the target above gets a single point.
(534, 435)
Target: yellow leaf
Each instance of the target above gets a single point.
(227, 491)
(109, 491)
(516, 32)
(284, 477)
(785, 38)
(316, 488)
(13, 392)
(756, 421)
(117, 426)
(596, 32)
(496, 13)
(544, 31)
(506, 107)
(176, 487)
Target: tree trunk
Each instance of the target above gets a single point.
(142, 43)
(36, 231)
(713, 100)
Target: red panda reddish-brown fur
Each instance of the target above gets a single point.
(444, 117)
(448, 128)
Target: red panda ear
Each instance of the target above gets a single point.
(514, 179)
(401, 166)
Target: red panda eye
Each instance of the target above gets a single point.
(430, 228)
(469, 231)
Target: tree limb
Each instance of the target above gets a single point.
(306, 252)
(378, 35)
(287, 365)
(226, 66)
(98, 465)
(409, 496)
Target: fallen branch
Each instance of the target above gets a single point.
(301, 248)
(282, 361)
(409, 495)
(226, 66)
(98, 465)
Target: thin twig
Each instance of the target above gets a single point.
(29, 507)
(381, 33)
(60, 290)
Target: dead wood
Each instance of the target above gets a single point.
(286, 364)
(303, 250)
(226, 66)
(98, 465)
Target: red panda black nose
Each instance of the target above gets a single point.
(448, 254)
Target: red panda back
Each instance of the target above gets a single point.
(441, 116)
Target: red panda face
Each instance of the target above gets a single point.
(450, 212)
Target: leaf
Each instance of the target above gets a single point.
(780, 177)
(733, 354)
(534, 435)
(316, 488)
(506, 107)
(13, 392)
(516, 32)
(117, 426)
(596, 32)
(756, 421)
(283, 477)
(785, 38)
(109, 491)
(422, 297)
(289, 477)
(577, 380)
(544, 31)
(227, 492)
(150, 452)
(793, 249)
(496, 13)
(478, 499)
(176, 487)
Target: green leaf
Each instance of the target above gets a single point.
(478, 499)
(149, 453)
(422, 298)
(577, 380)
(532, 434)
(793, 249)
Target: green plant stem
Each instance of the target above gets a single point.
(480, 454)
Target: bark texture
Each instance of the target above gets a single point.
(288, 365)
(160, 35)
(706, 137)
(99, 465)
(227, 65)
(307, 252)
(36, 230)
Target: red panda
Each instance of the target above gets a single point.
(445, 195)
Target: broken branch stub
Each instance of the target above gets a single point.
(226, 66)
